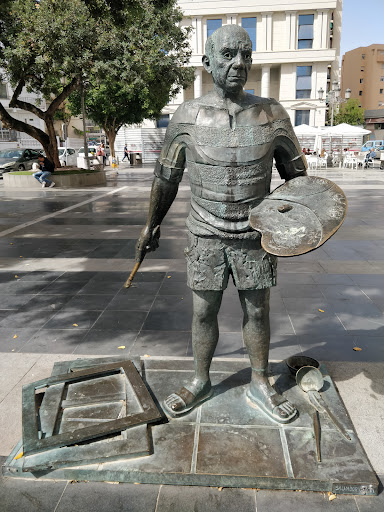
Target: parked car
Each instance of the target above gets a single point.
(17, 159)
(67, 156)
(370, 144)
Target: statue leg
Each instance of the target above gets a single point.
(256, 335)
(205, 334)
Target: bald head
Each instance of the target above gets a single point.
(228, 57)
(232, 33)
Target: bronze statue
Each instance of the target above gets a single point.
(227, 139)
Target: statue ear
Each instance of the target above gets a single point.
(207, 64)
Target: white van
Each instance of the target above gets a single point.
(67, 156)
(371, 144)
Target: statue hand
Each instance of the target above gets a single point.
(147, 242)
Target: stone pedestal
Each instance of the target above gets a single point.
(228, 443)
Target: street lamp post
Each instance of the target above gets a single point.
(333, 100)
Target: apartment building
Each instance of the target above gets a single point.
(296, 51)
(362, 70)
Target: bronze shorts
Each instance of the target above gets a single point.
(210, 261)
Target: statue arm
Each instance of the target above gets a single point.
(163, 194)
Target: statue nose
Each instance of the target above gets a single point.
(239, 61)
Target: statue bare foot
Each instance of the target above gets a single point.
(274, 405)
(187, 398)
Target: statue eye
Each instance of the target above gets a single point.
(227, 55)
(247, 56)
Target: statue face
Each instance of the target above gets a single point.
(231, 59)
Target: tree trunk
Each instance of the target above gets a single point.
(51, 149)
(20, 126)
(111, 134)
(87, 164)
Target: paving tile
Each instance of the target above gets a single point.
(28, 318)
(64, 287)
(88, 302)
(107, 342)
(14, 301)
(138, 289)
(161, 343)
(41, 276)
(168, 303)
(168, 321)
(205, 499)
(258, 451)
(54, 341)
(333, 279)
(321, 323)
(46, 302)
(339, 291)
(305, 306)
(120, 320)
(170, 287)
(100, 287)
(66, 319)
(103, 496)
(126, 303)
(20, 286)
(282, 501)
(9, 343)
(75, 277)
(360, 325)
(300, 291)
(29, 496)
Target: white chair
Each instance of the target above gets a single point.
(322, 162)
(312, 162)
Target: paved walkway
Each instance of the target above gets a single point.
(64, 257)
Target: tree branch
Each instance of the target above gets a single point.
(62, 96)
(17, 92)
(20, 126)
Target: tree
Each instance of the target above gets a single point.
(146, 69)
(43, 45)
(350, 112)
(55, 47)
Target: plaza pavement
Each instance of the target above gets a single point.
(64, 256)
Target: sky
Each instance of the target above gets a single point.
(362, 24)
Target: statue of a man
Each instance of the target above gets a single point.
(227, 139)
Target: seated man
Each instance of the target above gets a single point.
(228, 140)
(46, 169)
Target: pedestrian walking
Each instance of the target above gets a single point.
(101, 152)
(126, 154)
(44, 169)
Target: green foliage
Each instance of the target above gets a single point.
(145, 67)
(131, 54)
(350, 113)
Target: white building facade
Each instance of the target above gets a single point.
(296, 51)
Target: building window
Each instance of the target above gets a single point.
(250, 91)
(303, 82)
(163, 122)
(381, 91)
(213, 25)
(249, 24)
(305, 36)
(382, 66)
(3, 90)
(360, 93)
(301, 117)
(382, 79)
(380, 103)
(363, 56)
(361, 80)
(362, 68)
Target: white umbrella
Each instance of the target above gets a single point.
(305, 129)
(345, 129)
